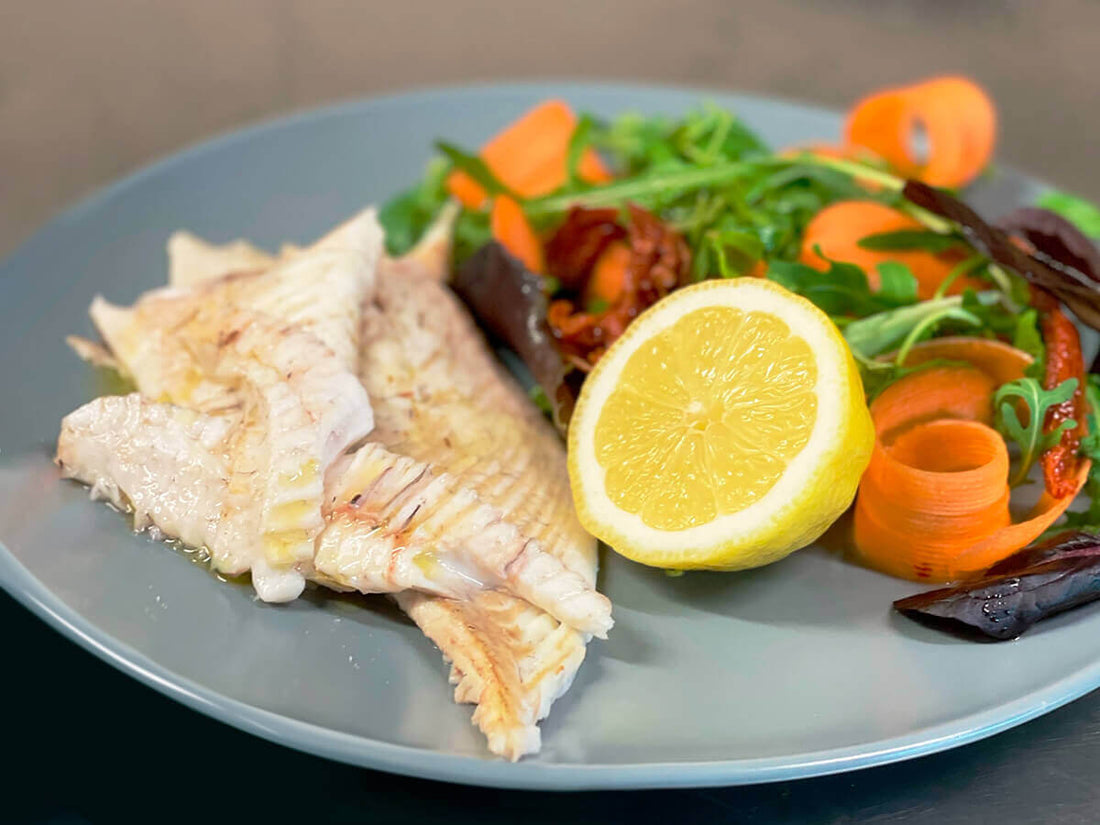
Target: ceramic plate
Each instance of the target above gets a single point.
(794, 670)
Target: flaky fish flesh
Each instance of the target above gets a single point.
(458, 502)
(439, 396)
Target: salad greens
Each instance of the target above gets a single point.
(1029, 434)
(738, 205)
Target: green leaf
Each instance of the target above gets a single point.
(897, 283)
(596, 305)
(843, 289)
(910, 239)
(1026, 336)
(884, 331)
(406, 216)
(1081, 213)
(803, 176)
(473, 166)
(540, 399)
(1029, 394)
(732, 252)
(1090, 448)
(580, 140)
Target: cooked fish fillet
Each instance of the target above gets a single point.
(275, 351)
(295, 411)
(397, 523)
(508, 658)
(262, 507)
(191, 260)
(462, 487)
(440, 396)
(429, 369)
(318, 290)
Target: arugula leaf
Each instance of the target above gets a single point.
(886, 330)
(540, 399)
(1037, 401)
(473, 166)
(406, 216)
(843, 289)
(1090, 448)
(471, 233)
(897, 284)
(905, 240)
(1081, 213)
(728, 252)
(1026, 336)
(805, 176)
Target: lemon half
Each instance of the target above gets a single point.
(725, 429)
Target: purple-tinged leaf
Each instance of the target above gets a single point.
(1029, 586)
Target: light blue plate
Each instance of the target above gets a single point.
(795, 670)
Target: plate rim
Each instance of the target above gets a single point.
(409, 760)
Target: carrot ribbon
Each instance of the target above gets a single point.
(958, 119)
(530, 157)
(933, 504)
(837, 230)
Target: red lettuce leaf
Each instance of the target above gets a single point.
(508, 301)
(1062, 278)
(1053, 238)
(1029, 586)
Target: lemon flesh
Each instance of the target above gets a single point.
(726, 429)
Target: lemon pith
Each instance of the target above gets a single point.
(724, 430)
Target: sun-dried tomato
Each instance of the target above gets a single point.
(575, 247)
(660, 261)
(1063, 360)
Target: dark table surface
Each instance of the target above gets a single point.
(87, 744)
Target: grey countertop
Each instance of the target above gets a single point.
(89, 91)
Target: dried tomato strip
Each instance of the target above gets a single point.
(1064, 360)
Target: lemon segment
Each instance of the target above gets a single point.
(724, 430)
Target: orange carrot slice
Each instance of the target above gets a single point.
(932, 394)
(958, 119)
(609, 274)
(838, 229)
(530, 156)
(1002, 362)
(510, 227)
(933, 504)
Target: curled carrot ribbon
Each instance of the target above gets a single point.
(933, 504)
(956, 115)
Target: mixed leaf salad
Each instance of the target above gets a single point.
(571, 226)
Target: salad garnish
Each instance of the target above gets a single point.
(961, 327)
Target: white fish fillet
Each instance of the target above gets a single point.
(294, 411)
(318, 290)
(508, 658)
(399, 534)
(428, 366)
(461, 487)
(264, 364)
(440, 396)
(397, 524)
(277, 351)
(192, 261)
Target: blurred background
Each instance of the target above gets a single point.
(91, 90)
